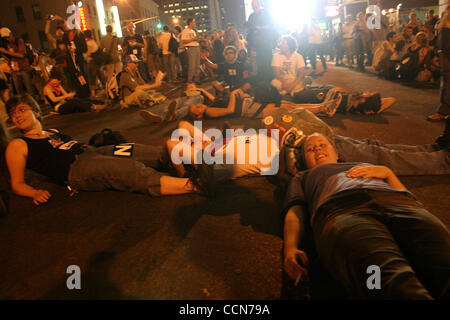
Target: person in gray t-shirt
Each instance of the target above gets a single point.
(364, 219)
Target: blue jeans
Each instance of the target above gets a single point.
(403, 160)
(389, 230)
(99, 169)
(181, 110)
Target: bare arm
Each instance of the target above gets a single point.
(294, 229)
(49, 93)
(12, 54)
(211, 64)
(16, 158)
(380, 172)
(221, 112)
(206, 93)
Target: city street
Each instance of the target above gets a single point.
(132, 246)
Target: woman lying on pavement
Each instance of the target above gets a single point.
(242, 154)
(126, 167)
(362, 216)
(63, 102)
(404, 160)
(242, 104)
(366, 102)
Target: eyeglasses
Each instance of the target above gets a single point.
(18, 111)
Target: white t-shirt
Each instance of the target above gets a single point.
(188, 34)
(163, 42)
(347, 30)
(289, 66)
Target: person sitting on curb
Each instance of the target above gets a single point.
(127, 167)
(362, 216)
(132, 87)
(63, 102)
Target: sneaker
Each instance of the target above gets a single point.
(437, 117)
(386, 103)
(123, 105)
(150, 117)
(160, 76)
(333, 105)
(99, 107)
(203, 179)
(443, 141)
(170, 116)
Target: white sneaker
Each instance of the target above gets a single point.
(159, 76)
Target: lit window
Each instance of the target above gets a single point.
(170, 5)
(178, 10)
(176, 4)
(19, 14)
(197, 8)
(36, 11)
(171, 11)
(191, 9)
(166, 11)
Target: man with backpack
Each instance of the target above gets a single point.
(109, 45)
(164, 42)
(132, 88)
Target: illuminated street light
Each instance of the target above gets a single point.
(175, 20)
(80, 4)
(117, 21)
(159, 25)
(101, 16)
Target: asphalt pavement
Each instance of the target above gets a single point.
(132, 246)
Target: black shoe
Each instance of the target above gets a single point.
(203, 179)
(443, 141)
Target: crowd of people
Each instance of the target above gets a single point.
(346, 189)
(406, 51)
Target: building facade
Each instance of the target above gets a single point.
(233, 12)
(205, 12)
(27, 19)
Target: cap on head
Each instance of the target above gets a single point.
(5, 32)
(130, 58)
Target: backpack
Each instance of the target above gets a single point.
(173, 44)
(408, 68)
(106, 137)
(153, 47)
(112, 87)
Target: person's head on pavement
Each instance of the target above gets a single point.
(24, 112)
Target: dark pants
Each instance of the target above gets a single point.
(75, 105)
(390, 230)
(314, 51)
(143, 70)
(264, 61)
(445, 84)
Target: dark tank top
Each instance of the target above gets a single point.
(52, 156)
